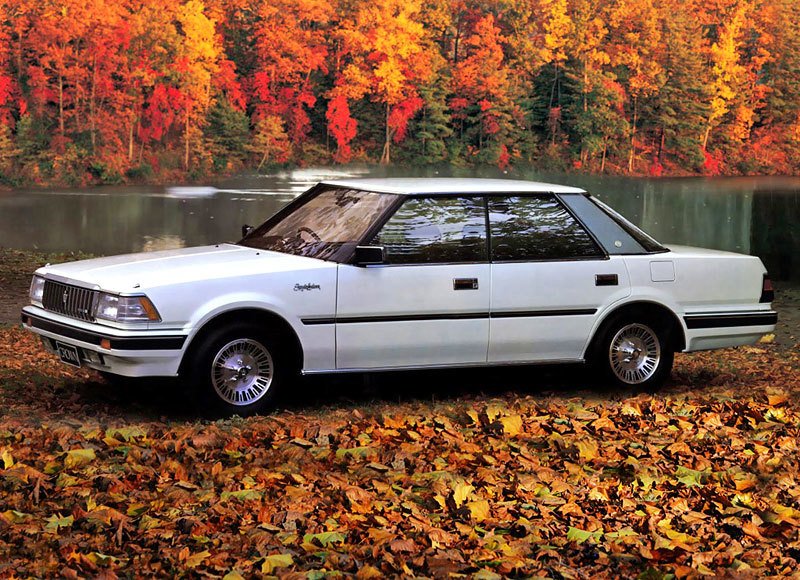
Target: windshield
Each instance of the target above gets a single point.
(329, 221)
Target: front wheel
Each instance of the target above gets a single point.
(238, 371)
(636, 353)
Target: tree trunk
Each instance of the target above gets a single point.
(19, 58)
(455, 43)
(424, 120)
(603, 162)
(130, 139)
(632, 152)
(705, 137)
(554, 128)
(263, 158)
(92, 98)
(186, 135)
(585, 92)
(61, 104)
(385, 157)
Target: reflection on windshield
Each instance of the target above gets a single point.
(329, 220)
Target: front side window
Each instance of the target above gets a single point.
(329, 223)
(537, 228)
(435, 230)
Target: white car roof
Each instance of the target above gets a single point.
(451, 185)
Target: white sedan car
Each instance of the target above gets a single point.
(390, 274)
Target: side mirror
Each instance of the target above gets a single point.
(368, 255)
(246, 230)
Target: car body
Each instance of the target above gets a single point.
(389, 274)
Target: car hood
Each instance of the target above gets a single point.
(138, 272)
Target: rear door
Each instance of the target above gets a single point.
(428, 304)
(550, 279)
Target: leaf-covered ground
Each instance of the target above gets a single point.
(485, 474)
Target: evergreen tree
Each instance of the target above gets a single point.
(430, 131)
(227, 131)
(676, 116)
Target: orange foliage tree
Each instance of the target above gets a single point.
(102, 90)
(385, 55)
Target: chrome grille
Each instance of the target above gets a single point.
(69, 300)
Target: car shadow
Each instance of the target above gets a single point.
(354, 390)
(167, 400)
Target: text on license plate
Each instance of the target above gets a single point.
(68, 354)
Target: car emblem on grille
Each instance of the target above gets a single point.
(65, 297)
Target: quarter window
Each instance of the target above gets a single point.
(435, 230)
(536, 228)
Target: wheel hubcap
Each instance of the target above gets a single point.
(242, 372)
(635, 353)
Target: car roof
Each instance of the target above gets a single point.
(450, 185)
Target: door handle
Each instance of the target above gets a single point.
(606, 280)
(465, 283)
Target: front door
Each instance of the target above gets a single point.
(428, 304)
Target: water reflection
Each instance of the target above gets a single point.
(749, 215)
(167, 242)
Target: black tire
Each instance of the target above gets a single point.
(635, 352)
(238, 370)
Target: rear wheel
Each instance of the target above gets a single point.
(238, 370)
(636, 352)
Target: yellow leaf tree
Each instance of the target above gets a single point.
(198, 60)
(385, 54)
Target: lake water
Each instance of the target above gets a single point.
(752, 215)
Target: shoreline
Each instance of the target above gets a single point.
(212, 179)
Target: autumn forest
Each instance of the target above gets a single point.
(105, 91)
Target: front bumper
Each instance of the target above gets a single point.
(136, 353)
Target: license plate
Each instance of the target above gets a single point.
(68, 354)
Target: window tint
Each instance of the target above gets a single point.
(536, 228)
(435, 230)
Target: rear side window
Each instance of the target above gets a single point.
(537, 228)
(609, 233)
(435, 230)
(647, 242)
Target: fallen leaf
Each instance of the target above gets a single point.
(324, 539)
(274, 561)
(512, 425)
(79, 458)
(479, 509)
(461, 492)
(195, 560)
(55, 523)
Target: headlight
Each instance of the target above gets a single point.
(125, 308)
(37, 290)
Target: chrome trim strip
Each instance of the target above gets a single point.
(448, 316)
(445, 366)
(69, 281)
